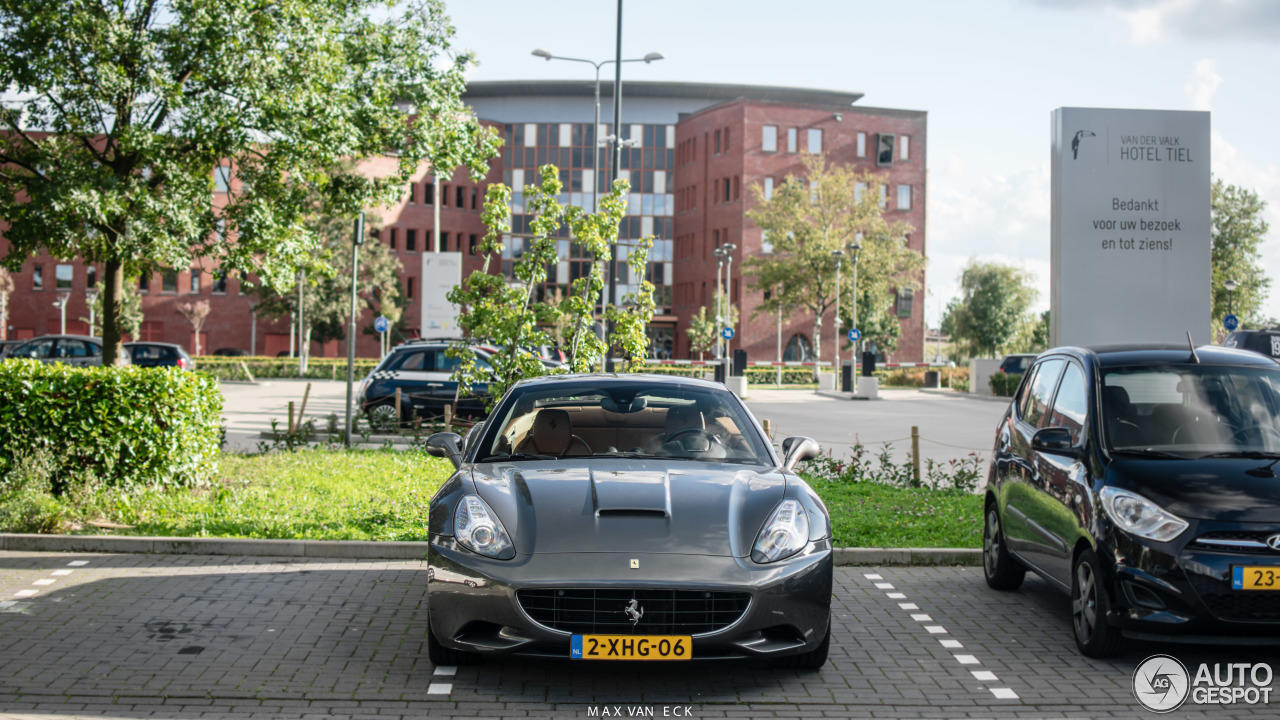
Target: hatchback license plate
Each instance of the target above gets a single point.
(631, 647)
(1246, 577)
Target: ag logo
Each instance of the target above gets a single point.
(1161, 683)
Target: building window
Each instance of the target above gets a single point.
(904, 147)
(884, 196)
(222, 178)
(411, 240)
(393, 239)
(62, 277)
(769, 143)
(727, 188)
(408, 286)
(91, 276)
(462, 198)
(144, 283)
(906, 298)
(904, 197)
(862, 144)
(884, 148)
(195, 280)
(219, 286)
(169, 281)
(429, 194)
(444, 242)
(766, 247)
(791, 139)
(444, 195)
(768, 188)
(717, 152)
(471, 244)
(858, 189)
(815, 140)
(413, 193)
(726, 139)
(37, 277)
(474, 193)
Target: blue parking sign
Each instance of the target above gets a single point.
(855, 334)
(381, 324)
(727, 333)
(1231, 322)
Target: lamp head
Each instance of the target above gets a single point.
(1231, 285)
(838, 253)
(651, 57)
(730, 247)
(544, 54)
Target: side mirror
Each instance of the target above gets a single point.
(1054, 440)
(446, 445)
(797, 449)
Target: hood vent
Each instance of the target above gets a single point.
(630, 512)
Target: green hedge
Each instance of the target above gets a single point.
(117, 426)
(1004, 384)
(229, 368)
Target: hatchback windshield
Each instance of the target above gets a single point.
(1194, 410)
(571, 420)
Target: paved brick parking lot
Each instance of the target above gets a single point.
(132, 636)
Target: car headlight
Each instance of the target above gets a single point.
(1140, 516)
(785, 534)
(478, 529)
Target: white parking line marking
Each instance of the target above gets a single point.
(77, 563)
(984, 675)
(44, 581)
(26, 593)
(62, 572)
(967, 660)
(1004, 694)
(921, 617)
(884, 586)
(909, 606)
(951, 644)
(936, 629)
(872, 576)
(446, 670)
(6, 604)
(896, 596)
(439, 688)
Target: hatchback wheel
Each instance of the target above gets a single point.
(383, 417)
(999, 567)
(1095, 637)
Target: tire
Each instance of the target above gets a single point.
(441, 655)
(1001, 570)
(812, 660)
(383, 417)
(1095, 637)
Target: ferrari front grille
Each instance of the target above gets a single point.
(660, 612)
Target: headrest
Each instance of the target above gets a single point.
(1116, 398)
(552, 431)
(679, 418)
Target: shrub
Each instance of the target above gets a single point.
(27, 504)
(229, 368)
(1004, 384)
(118, 426)
(951, 377)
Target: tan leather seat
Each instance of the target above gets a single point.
(552, 434)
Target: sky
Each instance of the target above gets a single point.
(988, 72)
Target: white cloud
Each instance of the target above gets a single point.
(1145, 25)
(1149, 21)
(1202, 84)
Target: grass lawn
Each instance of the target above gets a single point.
(383, 495)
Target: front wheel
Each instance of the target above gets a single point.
(998, 566)
(441, 655)
(383, 417)
(1095, 637)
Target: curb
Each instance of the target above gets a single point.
(968, 396)
(370, 550)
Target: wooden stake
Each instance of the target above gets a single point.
(915, 454)
(768, 432)
(290, 417)
(448, 418)
(303, 410)
(398, 415)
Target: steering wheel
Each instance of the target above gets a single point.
(711, 437)
(1263, 430)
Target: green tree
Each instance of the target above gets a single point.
(130, 311)
(1237, 230)
(702, 333)
(992, 306)
(506, 313)
(127, 108)
(326, 295)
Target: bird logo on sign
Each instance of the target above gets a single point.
(1075, 142)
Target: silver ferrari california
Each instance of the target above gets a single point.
(627, 517)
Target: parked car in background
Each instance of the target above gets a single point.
(1142, 481)
(1264, 342)
(152, 354)
(627, 517)
(422, 372)
(69, 349)
(1017, 363)
(231, 352)
(6, 346)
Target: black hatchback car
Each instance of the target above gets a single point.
(1141, 480)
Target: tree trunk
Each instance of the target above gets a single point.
(817, 344)
(112, 297)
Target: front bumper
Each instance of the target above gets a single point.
(1182, 590)
(473, 604)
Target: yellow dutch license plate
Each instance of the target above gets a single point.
(631, 647)
(1247, 577)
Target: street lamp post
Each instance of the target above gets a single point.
(1231, 286)
(719, 254)
(728, 292)
(61, 304)
(91, 295)
(854, 250)
(838, 254)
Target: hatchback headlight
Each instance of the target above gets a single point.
(478, 529)
(1139, 516)
(785, 534)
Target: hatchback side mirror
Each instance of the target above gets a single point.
(446, 445)
(1054, 440)
(797, 449)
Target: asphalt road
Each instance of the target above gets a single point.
(951, 426)
(135, 636)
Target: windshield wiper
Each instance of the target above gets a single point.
(1148, 452)
(1247, 454)
(518, 456)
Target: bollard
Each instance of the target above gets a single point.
(398, 415)
(290, 417)
(915, 454)
(303, 410)
(768, 431)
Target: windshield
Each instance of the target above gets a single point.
(1192, 410)
(642, 419)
